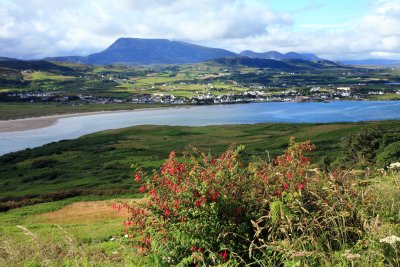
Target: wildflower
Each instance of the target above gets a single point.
(214, 196)
(167, 212)
(351, 256)
(192, 248)
(137, 177)
(224, 255)
(142, 189)
(300, 186)
(390, 239)
(285, 186)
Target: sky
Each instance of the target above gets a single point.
(331, 29)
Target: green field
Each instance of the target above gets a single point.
(79, 231)
(100, 163)
(188, 80)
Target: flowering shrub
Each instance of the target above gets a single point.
(202, 209)
(205, 210)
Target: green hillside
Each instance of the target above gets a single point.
(99, 163)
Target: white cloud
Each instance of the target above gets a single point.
(376, 34)
(47, 28)
(40, 28)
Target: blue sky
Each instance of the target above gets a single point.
(332, 29)
(326, 12)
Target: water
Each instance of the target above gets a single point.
(393, 83)
(291, 112)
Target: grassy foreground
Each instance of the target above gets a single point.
(80, 231)
(85, 231)
(99, 163)
(81, 179)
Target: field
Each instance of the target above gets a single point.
(55, 234)
(74, 84)
(99, 163)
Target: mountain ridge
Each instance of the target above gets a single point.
(136, 51)
(283, 65)
(279, 56)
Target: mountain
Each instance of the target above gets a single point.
(284, 65)
(279, 56)
(135, 51)
(372, 62)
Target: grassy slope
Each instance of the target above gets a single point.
(101, 161)
(50, 240)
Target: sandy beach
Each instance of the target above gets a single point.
(44, 121)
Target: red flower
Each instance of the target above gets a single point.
(142, 189)
(224, 255)
(198, 203)
(278, 193)
(137, 177)
(214, 196)
(300, 186)
(285, 186)
(167, 212)
(192, 249)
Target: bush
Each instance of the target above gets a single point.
(43, 163)
(361, 147)
(390, 154)
(210, 211)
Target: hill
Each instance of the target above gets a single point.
(135, 51)
(283, 65)
(279, 56)
(36, 65)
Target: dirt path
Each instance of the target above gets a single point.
(86, 211)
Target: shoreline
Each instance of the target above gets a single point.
(32, 123)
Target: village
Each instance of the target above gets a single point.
(254, 94)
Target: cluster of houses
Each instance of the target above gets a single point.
(256, 93)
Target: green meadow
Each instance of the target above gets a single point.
(99, 163)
